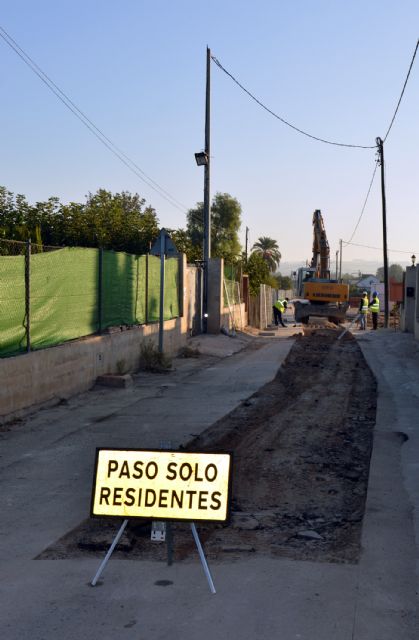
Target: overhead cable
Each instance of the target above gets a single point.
(365, 203)
(401, 95)
(111, 146)
(378, 248)
(305, 133)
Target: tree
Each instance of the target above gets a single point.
(258, 272)
(283, 282)
(395, 272)
(226, 221)
(184, 244)
(269, 250)
(119, 221)
(225, 224)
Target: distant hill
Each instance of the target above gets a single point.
(348, 266)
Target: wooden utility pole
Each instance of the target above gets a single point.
(380, 146)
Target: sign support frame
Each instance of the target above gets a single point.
(357, 317)
(203, 558)
(198, 546)
(180, 467)
(109, 553)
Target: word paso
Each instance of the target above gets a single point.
(167, 485)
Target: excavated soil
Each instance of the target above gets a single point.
(301, 446)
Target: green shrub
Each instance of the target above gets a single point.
(152, 360)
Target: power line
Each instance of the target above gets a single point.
(365, 203)
(111, 146)
(309, 135)
(401, 95)
(365, 246)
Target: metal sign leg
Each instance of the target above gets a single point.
(203, 558)
(110, 551)
(169, 543)
(350, 326)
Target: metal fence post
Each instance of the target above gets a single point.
(181, 281)
(100, 292)
(162, 287)
(146, 287)
(28, 294)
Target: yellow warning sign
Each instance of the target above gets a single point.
(166, 485)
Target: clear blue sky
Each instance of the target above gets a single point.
(137, 70)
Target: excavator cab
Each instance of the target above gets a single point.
(304, 274)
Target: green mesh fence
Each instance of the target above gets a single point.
(141, 304)
(231, 292)
(119, 287)
(67, 287)
(153, 309)
(171, 293)
(12, 305)
(64, 295)
(172, 287)
(232, 272)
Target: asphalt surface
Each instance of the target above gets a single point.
(46, 472)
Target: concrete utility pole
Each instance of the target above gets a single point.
(340, 261)
(207, 214)
(337, 254)
(383, 201)
(247, 237)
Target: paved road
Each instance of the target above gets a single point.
(46, 469)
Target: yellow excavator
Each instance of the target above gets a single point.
(316, 293)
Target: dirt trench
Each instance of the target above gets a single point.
(301, 447)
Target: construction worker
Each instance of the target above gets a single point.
(374, 307)
(363, 311)
(278, 309)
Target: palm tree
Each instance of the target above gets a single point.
(268, 248)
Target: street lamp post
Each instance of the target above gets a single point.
(203, 159)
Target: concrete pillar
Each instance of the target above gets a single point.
(410, 302)
(183, 290)
(215, 294)
(415, 319)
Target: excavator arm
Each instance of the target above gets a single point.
(321, 251)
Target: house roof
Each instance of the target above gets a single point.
(367, 279)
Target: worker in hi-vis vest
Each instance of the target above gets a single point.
(278, 309)
(363, 310)
(374, 307)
